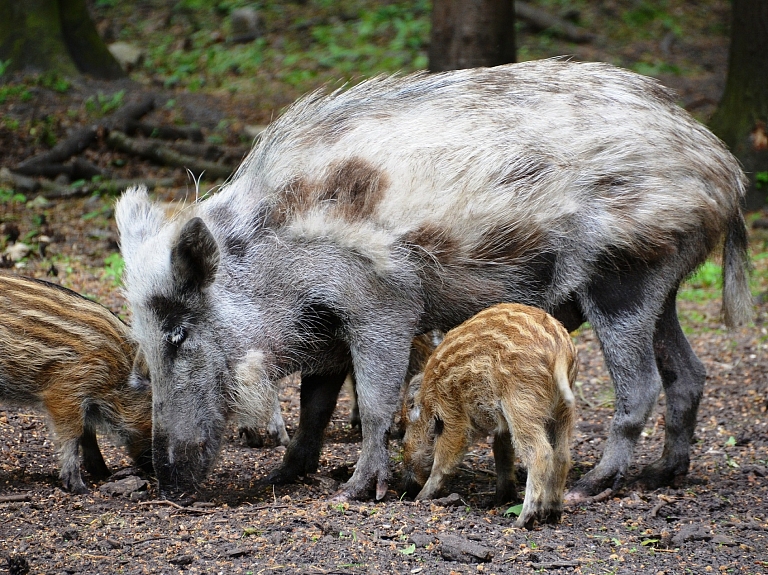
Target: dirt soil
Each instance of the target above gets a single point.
(716, 522)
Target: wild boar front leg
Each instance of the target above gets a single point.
(380, 357)
(318, 400)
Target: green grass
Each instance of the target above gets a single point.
(302, 47)
(705, 284)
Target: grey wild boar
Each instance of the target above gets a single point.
(73, 358)
(508, 370)
(406, 204)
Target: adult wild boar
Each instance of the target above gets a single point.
(408, 204)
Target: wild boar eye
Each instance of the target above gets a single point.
(176, 336)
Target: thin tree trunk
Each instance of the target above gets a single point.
(740, 119)
(471, 33)
(53, 36)
(31, 39)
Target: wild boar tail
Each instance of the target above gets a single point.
(737, 299)
(563, 381)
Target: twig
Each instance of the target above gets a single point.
(541, 20)
(263, 507)
(555, 565)
(658, 506)
(177, 506)
(153, 150)
(16, 497)
(602, 496)
(164, 132)
(55, 191)
(81, 138)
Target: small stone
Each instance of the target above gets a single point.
(455, 548)
(692, 532)
(246, 26)
(17, 251)
(724, 540)
(421, 539)
(453, 500)
(180, 560)
(127, 55)
(124, 487)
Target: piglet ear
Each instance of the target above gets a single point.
(194, 257)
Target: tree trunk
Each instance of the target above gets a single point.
(53, 36)
(471, 33)
(740, 119)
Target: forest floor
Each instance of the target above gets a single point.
(716, 522)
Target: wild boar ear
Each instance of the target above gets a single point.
(194, 257)
(138, 219)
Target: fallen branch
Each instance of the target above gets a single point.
(602, 496)
(541, 20)
(75, 143)
(81, 138)
(231, 155)
(153, 150)
(177, 506)
(79, 169)
(54, 191)
(16, 497)
(164, 132)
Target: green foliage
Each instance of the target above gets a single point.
(11, 197)
(514, 510)
(4, 66)
(655, 68)
(12, 91)
(705, 284)
(55, 82)
(761, 180)
(650, 15)
(103, 104)
(113, 268)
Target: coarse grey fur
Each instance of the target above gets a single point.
(406, 204)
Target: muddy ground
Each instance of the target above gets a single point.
(716, 522)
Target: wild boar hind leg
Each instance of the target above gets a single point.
(683, 377)
(623, 307)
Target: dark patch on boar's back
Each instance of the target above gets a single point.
(356, 186)
(434, 241)
(353, 188)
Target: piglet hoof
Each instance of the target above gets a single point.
(74, 485)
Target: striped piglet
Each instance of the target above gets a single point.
(72, 357)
